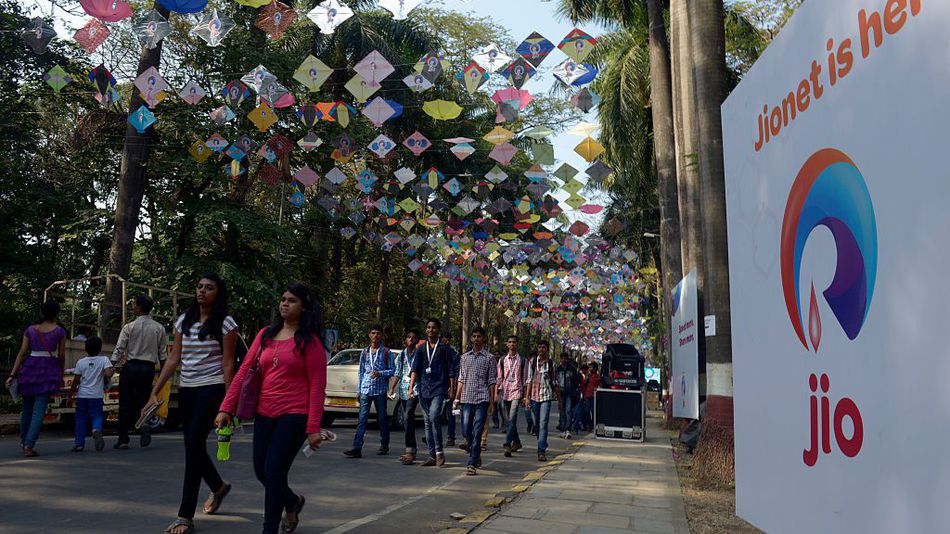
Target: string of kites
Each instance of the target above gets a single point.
(274, 18)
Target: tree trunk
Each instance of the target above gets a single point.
(465, 301)
(381, 291)
(133, 171)
(483, 316)
(446, 307)
(715, 457)
(664, 146)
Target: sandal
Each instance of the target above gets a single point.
(471, 471)
(408, 459)
(289, 526)
(216, 498)
(178, 523)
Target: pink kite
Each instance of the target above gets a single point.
(107, 10)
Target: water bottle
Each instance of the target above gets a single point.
(224, 444)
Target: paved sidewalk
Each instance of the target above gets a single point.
(606, 487)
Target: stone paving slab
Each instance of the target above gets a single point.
(606, 487)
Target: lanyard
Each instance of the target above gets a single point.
(373, 359)
(430, 355)
(407, 361)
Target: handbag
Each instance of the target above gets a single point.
(250, 392)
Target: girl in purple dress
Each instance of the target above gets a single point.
(38, 370)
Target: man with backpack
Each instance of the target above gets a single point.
(542, 389)
(569, 383)
(512, 377)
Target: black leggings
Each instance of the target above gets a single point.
(198, 407)
(276, 444)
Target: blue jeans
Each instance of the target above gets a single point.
(380, 403)
(31, 420)
(449, 422)
(542, 412)
(87, 409)
(511, 408)
(530, 418)
(431, 416)
(577, 418)
(566, 412)
(473, 424)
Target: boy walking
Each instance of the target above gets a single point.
(400, 387)
(540, 391)
(476, 392)
(376, 368)
(91, 375)
(512, 375)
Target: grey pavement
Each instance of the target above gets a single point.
(138, 490)
(607, 487)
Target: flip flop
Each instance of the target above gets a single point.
(187, 523)
(148, 414)
(216, 498)
(290, 526)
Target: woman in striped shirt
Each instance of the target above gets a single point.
(205, 337)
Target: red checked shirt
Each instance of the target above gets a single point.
(511, 377)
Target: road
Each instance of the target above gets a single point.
(138, 490)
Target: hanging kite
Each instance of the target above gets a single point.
(309, 142)
(585, 100)
(535, 49)
(399, 8)
(105, 85)
(329, 15)
(381, 146)
(234, 93)
(589, 149)
(262, 116)
(107, 10)
(378, 111)
(519, 72)
(213, 27)
(417, 82)
(472, 77)
(57, 78)
(222, 115)
(491, 58)
(417, 143)
(360, 88)
(37, 34)
(374, 68)
(151, 29)
(312, 73)
(192, 93)
(570, 71)
(577, 45)
(309, 115)
(151, 86)
(432, 66)
(90, 36)
(275, 18)
(141, 119)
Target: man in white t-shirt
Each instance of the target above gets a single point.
(91, 372)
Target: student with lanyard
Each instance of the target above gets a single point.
(478, 375)
(512, 375)
(400, 382)
(433, 369)
(376, 368)
(540, 391)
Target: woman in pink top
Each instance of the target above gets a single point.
(293, 367)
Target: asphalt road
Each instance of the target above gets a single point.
(138, 490)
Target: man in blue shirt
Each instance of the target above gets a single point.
(399, 388)
(376, 368)
(434, 369)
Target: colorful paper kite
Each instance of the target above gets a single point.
(192, 93)
(90, 36)
(306, 176)
(503, 153)
(217, 143)
(535, 49)
(577, 45)
(151, 86)
(472, 77)
(570, 71)
(589, 149)
(213, 27)
(381, 146)
(309, 142)
(374, 68)
(417, 143)
(200, 151)
(105, 85)
(57, 78)
(599, 172)
(37, 34)
(141, 119)
(432, 66)
(417, 82)
(107, 10)
(262, 116)
(151, 29)
(585, 100)
(378, 111)
(587, 77)
(360, 88)
(184, 6)
(312, 73)
(399, 8)
(539, 132)
(275, 18)
(519, 72)
(234, 93)
(222, 115)
(329, 15)
(442, 109)
(491, 58)
(498, 135)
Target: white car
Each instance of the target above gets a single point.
(342, 392)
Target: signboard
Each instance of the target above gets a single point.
(836, 192)
(685, 364)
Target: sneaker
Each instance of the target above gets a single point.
(382, 451)
(567, 435)
(507, 451)
(145, 437)
(450, 442)
(121, 446)
(100, 443)
(440, 459)
(30, 452)
(353, 453)
(516, 446)
(542, 457)
(428, 463)
(77, 448)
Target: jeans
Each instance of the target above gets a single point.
(511, 408)
(431, 415)
(449, 421)
(31, 419)
(566, 412)
(530, 418)
(577, 415)
(135, 386)
(276, 444)
(87, 409)
(473, 424)
(379, 401)
(590, 411)
(542, 412)
(198, 407)
(410, 425)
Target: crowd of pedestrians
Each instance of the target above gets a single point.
(281, 384)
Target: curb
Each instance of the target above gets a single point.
(495, 504)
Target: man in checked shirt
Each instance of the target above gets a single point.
(478, 374)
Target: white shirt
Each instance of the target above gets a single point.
(91, 373)
(201, 360)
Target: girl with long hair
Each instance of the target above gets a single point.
(38, 372)
(293, 367)
(205, 338)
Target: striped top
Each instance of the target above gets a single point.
(201, 360)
